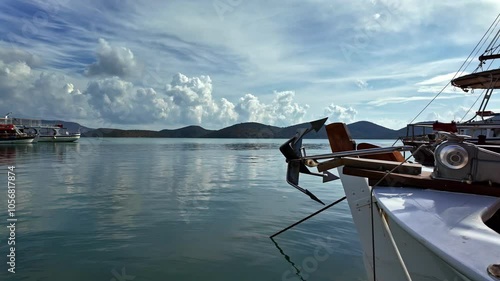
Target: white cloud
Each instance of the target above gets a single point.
(11, 55)
(13, 73)
(337, 113)
(112, 61)
(454, 114)
(281, 111)
(439, 84)
(395, 100)
(42, 95)
(192, 102)
(119, 101)
(362, 84)
(439, 79)
(186, 101)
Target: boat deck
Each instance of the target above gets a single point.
(451, 224)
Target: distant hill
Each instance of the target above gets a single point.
(186, 132)
(359, 130)
(246, 130)
(117, 133)
(368, 130)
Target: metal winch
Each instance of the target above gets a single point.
(463, 161)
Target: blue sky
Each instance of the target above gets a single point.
(167, 64)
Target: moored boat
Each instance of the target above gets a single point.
(55, 133)
(414, 223)
(46, 132)
(10, 134)
(417, 222)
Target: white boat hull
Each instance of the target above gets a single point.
(24, 140)
(70, 138)
(399, 254)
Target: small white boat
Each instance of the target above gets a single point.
(55, 133)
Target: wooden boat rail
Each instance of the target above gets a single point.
(388, 169)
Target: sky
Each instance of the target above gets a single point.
(160, 64)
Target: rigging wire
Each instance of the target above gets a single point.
(480, 66)
(493, 42)
(463, 117)
(494, 24)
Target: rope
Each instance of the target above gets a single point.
(371, 208)
(308, 217)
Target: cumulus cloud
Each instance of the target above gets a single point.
(186, 101)
(457, 114)
(118, 101)
(55, 95)
(112, 61)
(193, 102)
(339, 113)
(113, 100)
(11, 74)
(40, 95)
(227, 111)
(281, 111)
(12, 55)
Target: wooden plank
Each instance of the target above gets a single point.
(371, 164)
(391, 156)
(423, 181)
(339, 137)
(330, 164)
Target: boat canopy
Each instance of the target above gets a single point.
(489, 79)
(6, 127)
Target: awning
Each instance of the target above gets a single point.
(489, 79)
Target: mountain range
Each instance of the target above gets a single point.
(359, 130)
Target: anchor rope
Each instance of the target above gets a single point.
(372, 203)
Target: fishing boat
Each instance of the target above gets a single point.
(10, 134)
(484, 127)
(419, 222)
(414, 222)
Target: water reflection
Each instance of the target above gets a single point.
(288, 259)
(8, 154)
(250, 146)
(164, 208)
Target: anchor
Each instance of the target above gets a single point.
(292, 150)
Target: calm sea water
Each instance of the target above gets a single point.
(170, 209)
